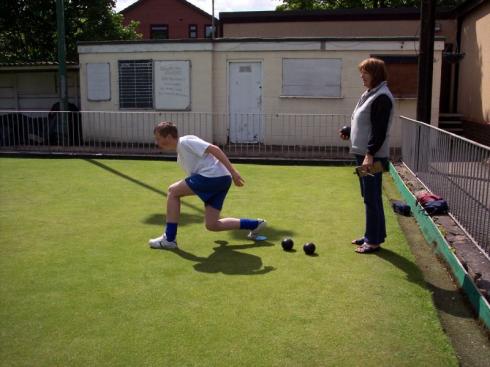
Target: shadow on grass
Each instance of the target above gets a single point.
(185, 218)
(138, 182)
(227, 259)
(444, 300)
(413, 272)
(272, 234)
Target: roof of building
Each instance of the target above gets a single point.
(35, 63)
(402, 13)
(40, 65)
(185, 3)
(322, 15)
(467, 7)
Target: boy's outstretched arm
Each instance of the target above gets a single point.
(221, 156)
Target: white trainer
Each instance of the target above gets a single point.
(255, 232)
(162, 243)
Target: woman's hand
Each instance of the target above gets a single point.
(368, 161)
(343, 137)
(345, 133)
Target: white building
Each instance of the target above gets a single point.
(223, 80)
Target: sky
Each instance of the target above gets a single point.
(220, 5)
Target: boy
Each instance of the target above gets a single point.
(209, 176)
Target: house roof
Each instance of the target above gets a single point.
(467, 7)
(322, 15)
(37, 65)
(183, 2)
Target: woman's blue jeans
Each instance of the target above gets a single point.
(371, 189)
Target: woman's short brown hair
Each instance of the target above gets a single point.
(166, 128)
(376, 68)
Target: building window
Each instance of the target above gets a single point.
(311, 77)
(402, 75)
(192, 31)
(208, 31)
(136, 84)
(159, 31)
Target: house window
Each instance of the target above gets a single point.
(136, 84)
(402, 75)
(192, 31)
(159, 31)
(208, 31)
(311, 77)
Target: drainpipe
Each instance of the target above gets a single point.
(426, 60)
(454, 107)
(212, 21)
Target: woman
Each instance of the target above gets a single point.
(370, 124)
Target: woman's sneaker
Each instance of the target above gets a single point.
(255, 232)
(162, 243)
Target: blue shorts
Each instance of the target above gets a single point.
(211, 190)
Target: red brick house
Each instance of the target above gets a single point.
(170, 19)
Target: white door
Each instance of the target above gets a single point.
(245, 99)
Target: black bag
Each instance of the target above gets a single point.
(436, 207)
(401, 208)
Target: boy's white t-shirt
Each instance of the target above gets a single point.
(192, 158)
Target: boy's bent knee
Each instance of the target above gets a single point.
(178, 189)
(172, 190)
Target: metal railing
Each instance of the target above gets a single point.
(455, 168)
(131, 133)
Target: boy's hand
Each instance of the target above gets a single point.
(220, 156)
(237, 179)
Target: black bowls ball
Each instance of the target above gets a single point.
(309, 248)
(287, 244)
(345, 131)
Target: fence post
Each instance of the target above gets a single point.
(417, 149)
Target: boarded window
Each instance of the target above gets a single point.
(402, 75)
(311, 77)
(98, 82)
(136, 84)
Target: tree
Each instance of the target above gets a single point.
(362, 4)
(28, 28)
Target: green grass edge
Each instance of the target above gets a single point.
(435, 237)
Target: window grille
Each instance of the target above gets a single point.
(136, 84)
